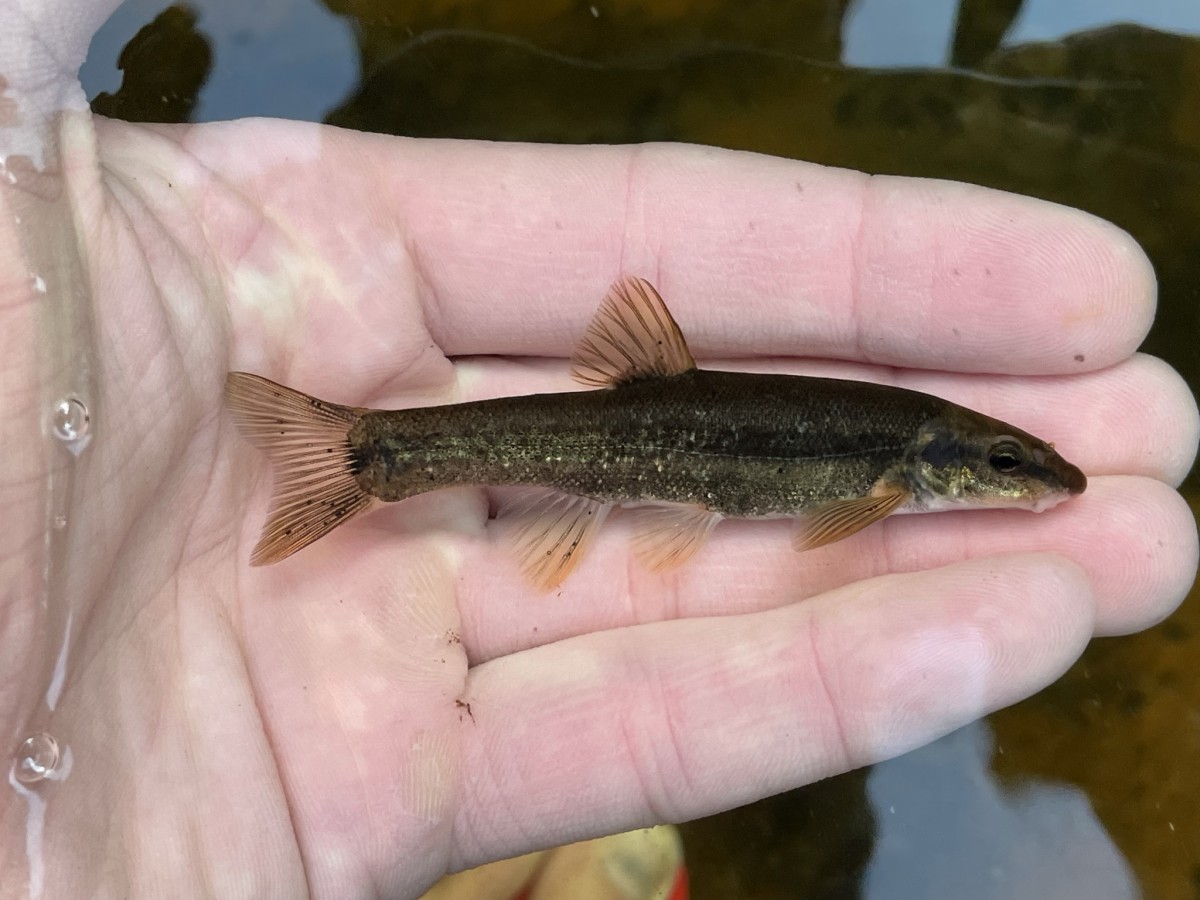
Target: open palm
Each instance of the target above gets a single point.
(393, 702)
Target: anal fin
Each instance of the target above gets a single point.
(668, 536)
(549, 532)
(839, 519)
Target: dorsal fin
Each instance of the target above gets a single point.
(631, 336)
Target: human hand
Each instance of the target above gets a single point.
(299, 727)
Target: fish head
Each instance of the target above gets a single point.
(966, 459)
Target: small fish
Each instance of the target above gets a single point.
(685, 447)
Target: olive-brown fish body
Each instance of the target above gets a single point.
(738, 444)
(696, 445)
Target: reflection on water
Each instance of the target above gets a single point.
(937, 33)
(1086, 790)
(71, 422)
(283, 58)
(946, 827)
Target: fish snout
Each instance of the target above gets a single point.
(1072, 477)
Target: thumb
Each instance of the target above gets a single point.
(42, 45)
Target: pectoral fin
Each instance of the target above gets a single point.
(839, 519)
(668, 536)
(548, 532)
(632, 336)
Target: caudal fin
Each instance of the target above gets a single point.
(306, 440)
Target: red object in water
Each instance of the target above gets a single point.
(679, 890)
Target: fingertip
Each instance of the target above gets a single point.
(1172, 403)
(1135, 418)
(1058, 618)
(1133, 535)
(1153, 568)
(1120, 281)
(1180, 521)
(973, 279)
(1052, 614)
(987, 633)
(1094, 287)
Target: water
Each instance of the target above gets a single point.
(71, 422)
(37, 759)
(51, 357)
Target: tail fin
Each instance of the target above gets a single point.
(306, 440)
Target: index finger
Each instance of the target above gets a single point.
(755, 255)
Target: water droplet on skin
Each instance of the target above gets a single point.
(71, 420)
(39, 284)
(37, 758)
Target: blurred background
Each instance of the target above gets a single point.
(1091, 789)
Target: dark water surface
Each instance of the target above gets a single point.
(1090, 789)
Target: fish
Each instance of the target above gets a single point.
(676, 447)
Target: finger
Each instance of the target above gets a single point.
(1134, 537)
(508, 248)
(761, 256)
(1135, 418)
(623, 728)
(31, 465)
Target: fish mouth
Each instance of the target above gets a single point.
(1062, 481)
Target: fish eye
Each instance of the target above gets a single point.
(1006, 456)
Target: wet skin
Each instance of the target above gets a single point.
(295, 728)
